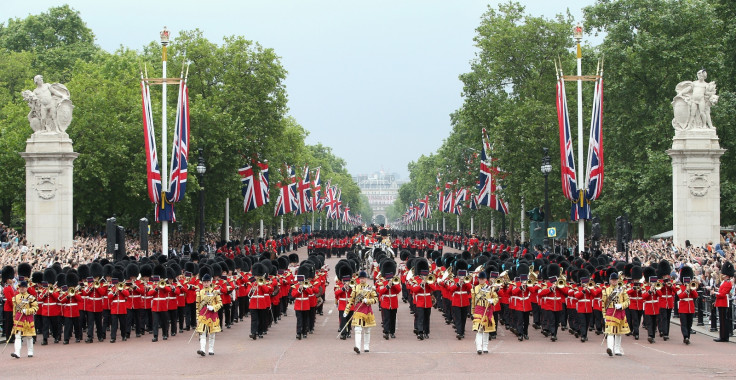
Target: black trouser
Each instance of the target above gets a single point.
(563, 318)
(571, 315)
(522, 322)
(312, 318)
(140, 321)
(664, 321)
(725, 328)
(161, 318)
(553, 321)
(459, 317)
(447, 309)
(421, 316)
(173, 318)
(276, 310)
(536, 314)
(686, 324)
(496, 315)
(190, 316)
(634, 319)
(242, 305)
(598, 318)
(388, 316)
(95, 319)
(259, 319)
(584, 320)
(51, 323)
(651, 322)
(182, 314)
(72, 323)
(7, 323)
(505, 313)
(343, 320)
(120, 319)
(302, 321)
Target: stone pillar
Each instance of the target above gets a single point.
(696, 190)
(49, 189)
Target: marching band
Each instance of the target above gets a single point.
(503, 287)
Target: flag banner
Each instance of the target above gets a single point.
(304, 189)
(594, 170)
(180, 147)
(153, 173)
(567, 159)
(317, 192)
(255, 188)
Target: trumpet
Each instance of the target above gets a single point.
(97, 284)
(395, 280)
(561, 283)
(498, 282)
(693, 285)
(260, 281)
(162, 283)
(591, 285)
(352, 283)
(530, 282)
(468, 279)
(658, 286)
(431, 279)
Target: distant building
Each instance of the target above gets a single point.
(381, 189)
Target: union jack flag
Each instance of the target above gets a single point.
(448, 201)
(153, 173)
(460, 196)
(569, 182)
(595, 148)
(304, 189)
(485, 191)
(473, 205)
(180, 148)
(425, 210)
(317, 191)
(255, 191)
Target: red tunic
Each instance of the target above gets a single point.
(302, 298)
(118, 302)
(389, 295)
(723, 291)
(686, 303)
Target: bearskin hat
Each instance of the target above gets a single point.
(230, 264)
(37, 277)
(404, 255)
(460, 265)
(24, 269)
(389, 266)
(420, 265)
(727, 269)
(636, 273)
(553, 270)
(203, 270)
(60, 279)
(117, 273)
(217, 270)
(522, 269)
(170, 273)
(8, 273)
(95, 270)
(107, 270)
(146, 270)
(190, 267)
(648, 272)
(293, 258)
(664, 269)
(686, 271)
(259, 269)
(305, 271)
(160, 271)
(283, 262)
(72, 279)
(131, 270)
(49, 275)
(466, 255)
(582, 273)
(176, 268)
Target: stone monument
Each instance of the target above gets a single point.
(695, 153)
(49, 166)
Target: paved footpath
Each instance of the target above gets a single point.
(322, 355)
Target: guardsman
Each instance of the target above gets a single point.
(585, 294)
(460, 288)
(301, 291)
(70, 298)
(615, 302)
(208, 303)
(118, 296)
(24, 308)
(361, 299)
(421, 286)
(389, 289)
(259, 291)
(636, 301)
(9, 291)
(727, 273)
(686, 295)
(666, 300)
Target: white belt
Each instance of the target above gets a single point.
(302, 299)
(71, 304)
(94, 299)
(666, 296)
(160, 299)
(459, 292)
(390, 295)
(257, 296)
(113, 301)
(686, 299)
(49, 304)
(342, 299)
(423, 294)
(655, 301)
(584, 300)
(134, 296)
(523, 298)
(634, 298)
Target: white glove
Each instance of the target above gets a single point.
(344, 314)
(210, 308)
(493, 302)
(25, 311)
(618, 306)
(365, 301)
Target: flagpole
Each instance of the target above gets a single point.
(578, 34)
(164, 146)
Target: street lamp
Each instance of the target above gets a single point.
(546, 168)
(201, 169)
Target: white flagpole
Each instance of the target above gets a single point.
(227, 219)
(581, 167)
(164, 146)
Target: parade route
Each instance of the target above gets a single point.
(322, 355)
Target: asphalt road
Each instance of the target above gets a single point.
(322, 355)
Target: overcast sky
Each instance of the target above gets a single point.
(375, 80)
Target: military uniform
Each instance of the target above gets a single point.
(360, 301)
(615, 302)
(483, 301)
(24, 308)
(208, 321)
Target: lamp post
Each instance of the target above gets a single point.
(201, 169)
(546, 168)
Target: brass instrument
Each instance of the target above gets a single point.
(395, 280)
(658, 286)
(693, 285)
(504, 277)
(352, 283)
(97, 283)
(530, 282)
(162, 283)
(260, 281)
(468, 279)
(498, 282)
(591, 285)
(121, 286)
(72, 292)
(431, 279)
(561, 283)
